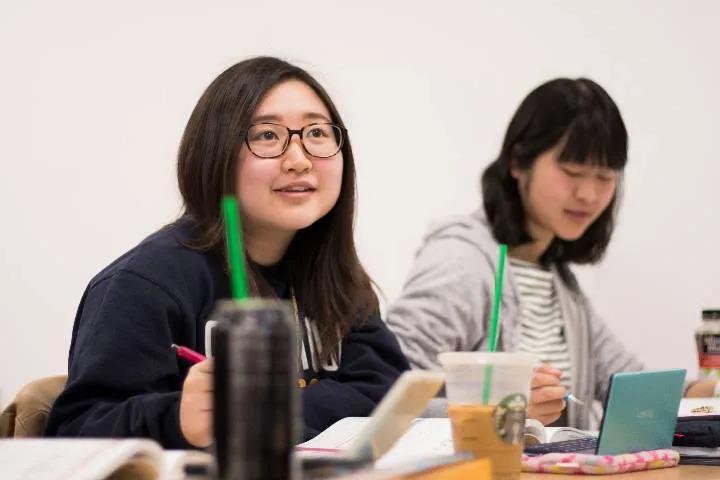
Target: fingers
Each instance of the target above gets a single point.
(200, 378)
(206, 366)
(546, 412)
(546, 401)
(547, 394)
(196, 404)
(204, 403)
(548, 369)
(540, 380)
(545, 376)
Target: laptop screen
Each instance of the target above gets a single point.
(640, 411)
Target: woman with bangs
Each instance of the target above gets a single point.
(552, 196)
(266, 132)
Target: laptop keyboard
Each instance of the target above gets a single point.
(576, 445)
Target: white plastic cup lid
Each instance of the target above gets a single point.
(472, 359)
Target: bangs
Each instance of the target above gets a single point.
(593, 139)
(596, 135)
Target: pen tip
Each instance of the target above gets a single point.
(174, 347)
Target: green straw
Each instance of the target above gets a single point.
(498, 296)
(238, 277)
(494, 321)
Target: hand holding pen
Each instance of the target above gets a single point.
(569, 397)
(196, 400)
(548, 396)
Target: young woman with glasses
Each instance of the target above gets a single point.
(268, 133)
(552, 196)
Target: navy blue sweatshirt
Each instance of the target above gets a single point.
(124, 380)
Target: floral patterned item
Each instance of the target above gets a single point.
(584, 464)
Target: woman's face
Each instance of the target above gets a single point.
(294, 190)
(562, 199)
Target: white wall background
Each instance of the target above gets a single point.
(94, 97)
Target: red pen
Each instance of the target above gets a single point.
(188, 354)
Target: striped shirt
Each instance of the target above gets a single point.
(542, 326)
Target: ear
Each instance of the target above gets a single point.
(515, 171)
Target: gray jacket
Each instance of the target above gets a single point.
(446, 303)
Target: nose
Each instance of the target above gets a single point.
(587, 191)
(295, 159)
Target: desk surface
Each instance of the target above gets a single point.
(683, 472)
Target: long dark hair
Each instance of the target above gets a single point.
(333, 286)
(583, 116)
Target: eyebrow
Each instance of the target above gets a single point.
(277, 118)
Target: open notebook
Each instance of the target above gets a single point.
(536, 433)
(426, 438)
(93, 459)
(355, 442)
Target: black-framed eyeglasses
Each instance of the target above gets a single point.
(270, 140)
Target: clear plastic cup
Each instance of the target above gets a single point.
(487, 401)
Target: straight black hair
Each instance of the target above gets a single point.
(582, 115)
(334, 288)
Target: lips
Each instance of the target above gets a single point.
(578, 214)
(296, 187)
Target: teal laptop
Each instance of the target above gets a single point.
(640, 414)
